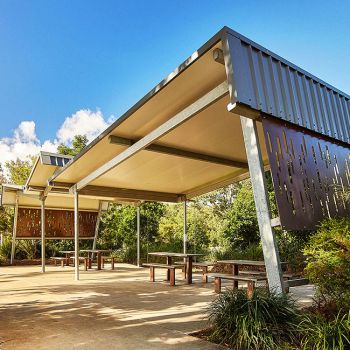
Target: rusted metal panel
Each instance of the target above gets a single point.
(58, 223)
(266, 82)
(310, 174)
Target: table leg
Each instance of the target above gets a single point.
(235, 273)
(67, 259)
(169, 262)
(90, 260)
(189, 269)
(99, 260)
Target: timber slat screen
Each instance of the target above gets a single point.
(310, 174)
(58, 224)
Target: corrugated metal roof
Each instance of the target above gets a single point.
(266, 82)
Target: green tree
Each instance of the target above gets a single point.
(328, 263)
(220, 200)
(118, 227)
(2, 176)
(242, 224)
(78, 144)
(19, 170)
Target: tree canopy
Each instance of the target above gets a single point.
(19, 170)
(79, 142)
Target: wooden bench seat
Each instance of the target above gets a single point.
(107, 258)
(170, 268)
(60, 259)
(251, 281)
(199, 265)
(85, 259)
(253, 273)
(295, 283)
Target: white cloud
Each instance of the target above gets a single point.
(24, 142)
(83, 122)
(26, 132)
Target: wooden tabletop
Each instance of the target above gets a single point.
(67, 251)
(95, 250)
(172, 254)
(243, 262)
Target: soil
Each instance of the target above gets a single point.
(25, 262)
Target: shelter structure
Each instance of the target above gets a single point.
(233, 109)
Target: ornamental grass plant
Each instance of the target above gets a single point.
(265, 321)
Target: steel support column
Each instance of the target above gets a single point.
(14, 231)
(185, 227)
(76, 234)
(98, 220)
(43, 234)
(257, 176)
(138, 237)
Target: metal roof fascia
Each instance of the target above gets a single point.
(265, 82)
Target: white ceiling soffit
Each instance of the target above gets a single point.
(258, 80)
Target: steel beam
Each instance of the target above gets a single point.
(138, 224)
(43, 234)
(76, 234)
(185, 227)
(98, 220)
(157, 133)
(14, 231)
(126, 193)
(181, 153)
(58, 184)
(257, 176)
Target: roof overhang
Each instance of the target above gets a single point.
(45, 166)
(184, 138)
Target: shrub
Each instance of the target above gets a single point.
(328, 263)
(251, 252)
(264, 321)
(318, 333)
(5, 248)
(291, 247)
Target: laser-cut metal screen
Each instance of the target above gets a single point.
(310, 174)
(58, 224)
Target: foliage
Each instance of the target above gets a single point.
(220, 200)
(328, 263)
(318, 333)
(202, 227)
(5, 248)
(118, 227)
(242, 228)
(79, 142)
(2, 176)
(27, 248)
(6, 219)
(263, 321)
(19, 170)
(291, 248)
(251, 252)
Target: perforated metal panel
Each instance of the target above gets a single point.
(310, 174)
(58, 223)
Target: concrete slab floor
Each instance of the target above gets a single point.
(106, 309)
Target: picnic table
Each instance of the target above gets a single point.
(237, 263)
(68, 254)
(98, 253)
(188, 260)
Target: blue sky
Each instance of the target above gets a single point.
(60, 58)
